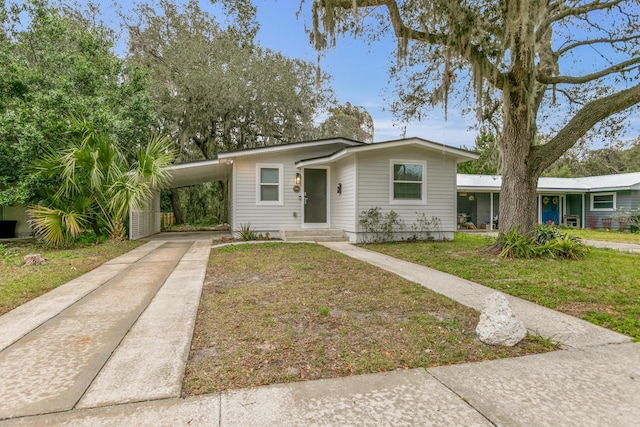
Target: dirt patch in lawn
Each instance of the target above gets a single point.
(274, 313)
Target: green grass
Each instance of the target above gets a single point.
(276, 312)
(21, 283)
(605, 235)
(603, 287)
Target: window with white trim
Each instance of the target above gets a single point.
(603, 202)
(408, 181)
(269, 184)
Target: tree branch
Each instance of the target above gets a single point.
(587, 117)
(567, 48)
(566, 12)
(574, 11)
(401, 30)
(621, 67)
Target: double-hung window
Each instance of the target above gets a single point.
(269, 184)
(408, 182)
(603, 202)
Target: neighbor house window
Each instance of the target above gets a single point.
(269, 185)
(408, 181)
(603, 202)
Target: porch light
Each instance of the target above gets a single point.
(298, 178)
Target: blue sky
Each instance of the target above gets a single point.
(359, 74)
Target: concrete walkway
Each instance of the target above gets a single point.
(109, 349)
(624, 247)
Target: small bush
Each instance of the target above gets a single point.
(516, 245)
(423, 228)
(246, 232)
(380, 225)
(88, 238)
(547, 232)
(565, 246)
(548, 242)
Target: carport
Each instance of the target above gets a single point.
(146, 221)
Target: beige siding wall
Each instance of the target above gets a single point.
(266, 218)
(17, 213)
(343, 214)
(374, 190)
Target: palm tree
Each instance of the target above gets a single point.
(97, 185)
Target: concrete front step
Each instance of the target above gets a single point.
(313, 235)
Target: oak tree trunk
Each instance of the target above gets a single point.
(519, 171)
(174, 198)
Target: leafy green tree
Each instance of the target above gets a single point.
(58, 62)
(216, 88)
(94, 185)
(530, 65)
(603, 161)
(347, 121)
(489, 161)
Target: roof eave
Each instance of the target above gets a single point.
(459, 154)
(286, 147)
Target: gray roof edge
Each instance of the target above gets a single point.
(289, 146)
(458, 152)
(582, 184)
(185, 165)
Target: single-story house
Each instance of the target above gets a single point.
(326, 185)
(591, 202)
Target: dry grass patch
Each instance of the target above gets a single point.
(22, 283)
(274, 313)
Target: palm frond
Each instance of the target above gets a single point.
(153, 161)
(54, 225)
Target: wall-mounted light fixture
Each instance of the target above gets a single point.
(296, 186)
(339, 188)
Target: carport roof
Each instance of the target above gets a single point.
(191, 173)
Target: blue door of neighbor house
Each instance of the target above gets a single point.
(551, 209)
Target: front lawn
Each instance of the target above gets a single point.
(612, 235)
(21, 283)
(603, 287)
(276, 312)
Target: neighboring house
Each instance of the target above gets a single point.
(327, 184)
(14, 222)
(581, 202)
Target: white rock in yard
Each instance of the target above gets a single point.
(498, 324)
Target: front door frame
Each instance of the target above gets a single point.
(559, 211)
(327, 198)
